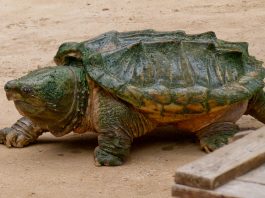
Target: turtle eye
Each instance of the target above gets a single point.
(26, 90)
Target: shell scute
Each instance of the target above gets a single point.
(169, 72)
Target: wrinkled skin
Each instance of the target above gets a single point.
(50, 98)
(47, 99)
(123, 85)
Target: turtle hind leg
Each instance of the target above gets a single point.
(216, 135)
(256, 106)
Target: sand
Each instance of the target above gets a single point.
(32, 30)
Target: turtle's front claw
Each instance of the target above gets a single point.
(13, 138)
(206, 149)
(3, 133)
(20, 134)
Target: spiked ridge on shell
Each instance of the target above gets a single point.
(168, 73)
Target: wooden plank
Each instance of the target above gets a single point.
(182, 191)
(242, 189)
(233, 189)
(254, 176)
(225, 163)
(250, 185)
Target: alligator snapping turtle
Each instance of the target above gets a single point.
(123, 85)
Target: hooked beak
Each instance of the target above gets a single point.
(12, 91)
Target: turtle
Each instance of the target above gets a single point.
(122, 85)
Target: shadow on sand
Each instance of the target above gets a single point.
(165, 137)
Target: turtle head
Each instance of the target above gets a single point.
(54, 98)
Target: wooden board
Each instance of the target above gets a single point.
(225, 163)
(250, 185)
(255, 176)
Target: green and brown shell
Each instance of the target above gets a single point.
(168, 72)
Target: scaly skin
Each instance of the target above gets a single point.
(141, 79)
(216, 135)
(117, 124)
(20, 134)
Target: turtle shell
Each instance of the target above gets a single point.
(168, 72)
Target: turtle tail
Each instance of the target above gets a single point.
(256, 106)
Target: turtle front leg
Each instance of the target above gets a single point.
(118, 123)
(20, 134)
(112, 149)
(216, 135)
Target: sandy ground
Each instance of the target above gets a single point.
(30, 33)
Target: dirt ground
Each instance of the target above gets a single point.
(32, 30)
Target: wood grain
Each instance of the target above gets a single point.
(182, 191)
(233, 189)
(254, 176)
(242, 189)
(225, 163)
